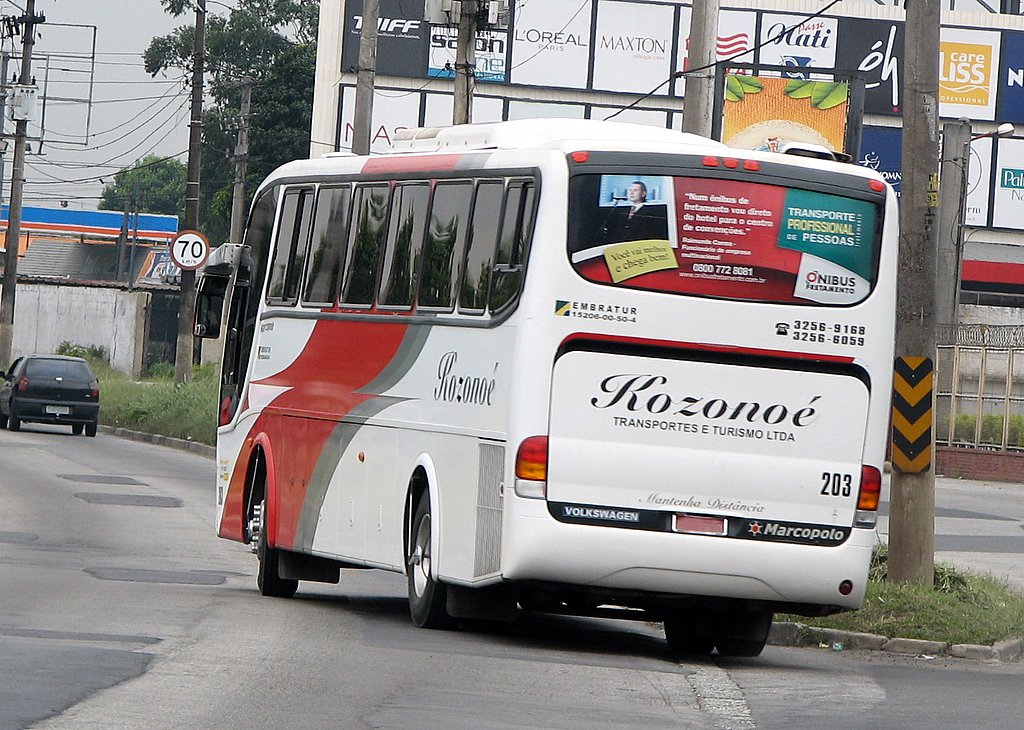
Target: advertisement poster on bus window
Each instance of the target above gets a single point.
(723, 238)
(764, 113)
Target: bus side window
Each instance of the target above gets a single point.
(446, 236)
(327, 244)
(516, 228)
(244, 305)
(366, 237)
(290, 252)
(405, 239)
(483, 236)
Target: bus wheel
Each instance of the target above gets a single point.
(744, 634)
(268, 580)
(687, 634)
(427, 596)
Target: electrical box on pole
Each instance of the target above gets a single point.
(22, 104)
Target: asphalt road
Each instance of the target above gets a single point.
(120, 609)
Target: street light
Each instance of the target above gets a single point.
(1003, 130)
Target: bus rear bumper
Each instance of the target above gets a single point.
(539, 548)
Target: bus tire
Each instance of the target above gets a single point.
(744, 634)
(269, 581)
(427, 597)
(687, 634)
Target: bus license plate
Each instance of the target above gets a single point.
(695, 524)
(58, 410)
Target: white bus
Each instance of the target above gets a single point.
(562, 366)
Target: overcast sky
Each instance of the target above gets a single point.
(96, 119)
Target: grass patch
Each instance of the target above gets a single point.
(962, 608)
(156, 405)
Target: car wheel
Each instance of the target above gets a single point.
(90, 428)
(427, 596)
(13, 423)
(76, 428)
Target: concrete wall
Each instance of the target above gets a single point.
(46, 315)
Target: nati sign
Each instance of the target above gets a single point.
(189, 250)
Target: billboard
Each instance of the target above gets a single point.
(633, 47)
(968, 73)
(392, 111)
(491, 54)
(551, 44)
(978, 183)
(1008, 197)
(800, 44)
(401, 37)
(737, 39)
(881, 149)
(876, 49)
(765, 113)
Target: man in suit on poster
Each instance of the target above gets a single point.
(638, 221)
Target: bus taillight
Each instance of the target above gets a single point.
(867, 499)
(532, 467)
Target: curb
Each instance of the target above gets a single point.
(785, 633)
(204, 450)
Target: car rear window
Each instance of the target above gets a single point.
(67, 369)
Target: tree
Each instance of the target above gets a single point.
(271, 42)
(157, 183)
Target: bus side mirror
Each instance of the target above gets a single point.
(209, 307)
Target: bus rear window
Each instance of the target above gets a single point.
(731, 239)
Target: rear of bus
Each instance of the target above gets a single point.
(720, 372)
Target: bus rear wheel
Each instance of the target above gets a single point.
(268, 579)
(686, 633)
(744, 633)
(427, 596)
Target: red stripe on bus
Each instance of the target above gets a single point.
(418, 163)
(707, 347)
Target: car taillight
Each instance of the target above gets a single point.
(868, 497)
(94, 389)
(23, 383)
(532, 467)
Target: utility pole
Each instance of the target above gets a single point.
(365, 75)
(241, 162)
(465, 62)
(912, 505)
(184, 350)
(28, 21)
(956, 147)
(699, 99)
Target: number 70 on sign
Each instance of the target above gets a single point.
(189, 250)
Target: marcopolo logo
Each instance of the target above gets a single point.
(793, 532)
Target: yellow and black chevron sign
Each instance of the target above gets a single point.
(912, 414)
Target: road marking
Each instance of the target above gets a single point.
(721, 699)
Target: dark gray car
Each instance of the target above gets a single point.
(50, 389)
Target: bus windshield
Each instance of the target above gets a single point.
(731, 239)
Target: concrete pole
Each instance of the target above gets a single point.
(699, 99)
(183, 353)
(365, 75)
(912, 506)
(465, 63)
(13, 241)
(956, 148)
(238, 209)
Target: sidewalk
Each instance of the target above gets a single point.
(979, 526)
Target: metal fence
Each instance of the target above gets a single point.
(979, 387)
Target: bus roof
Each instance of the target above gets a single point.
(537, 133)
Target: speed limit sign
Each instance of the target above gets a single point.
(189, 250)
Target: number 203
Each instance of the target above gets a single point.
(834, 484)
